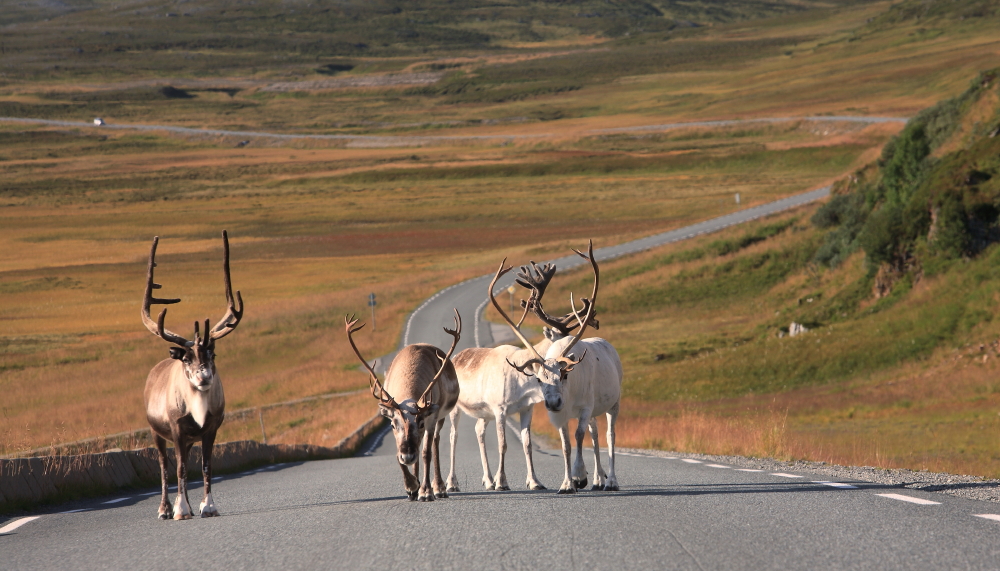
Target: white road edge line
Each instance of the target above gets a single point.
(911, 499)
(75, 511)
(994, 517)
(837, 485)
(17, 523)
(784, 475)
(115, 501)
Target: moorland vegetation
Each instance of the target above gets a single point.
(317, 225)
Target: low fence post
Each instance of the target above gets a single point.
(264, 434)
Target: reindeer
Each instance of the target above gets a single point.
(183, 395)
(412, 379)
(492, 391)
(578, 388)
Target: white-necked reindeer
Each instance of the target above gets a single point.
(491, 390)
(420, 373)
(581, 388)
(183, 396)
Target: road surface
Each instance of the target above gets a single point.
(676, 513)
(425, 324)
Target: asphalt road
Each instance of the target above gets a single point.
(411, 140)
(425, 324)
(669, 514)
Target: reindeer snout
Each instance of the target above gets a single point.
(407, 459)
(554, 405)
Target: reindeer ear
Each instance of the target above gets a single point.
(429, 410)
(385, 411)
(177, 353)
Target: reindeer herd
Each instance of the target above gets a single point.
(424, 385)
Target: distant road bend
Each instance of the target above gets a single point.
(425, 324)
(409, 140)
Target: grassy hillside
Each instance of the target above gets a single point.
(896, 279)
(318, 225)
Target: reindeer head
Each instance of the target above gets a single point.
(408, 417)
(198, 355)
(551, 372)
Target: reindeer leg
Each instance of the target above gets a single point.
(165, 511)
(410, 483)
(611, 484)
(500, 482)
(567, 486)
(452, 480)
(533, 483)
(207, 506)
(426, 493)
(599, 476)
(182, 508)
(481, 425)
(439, 487)
(579, 468)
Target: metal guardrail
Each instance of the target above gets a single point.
(145, 434)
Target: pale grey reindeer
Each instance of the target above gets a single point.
(492, 390)
(416, 400)
(580, 388)
(183, 396)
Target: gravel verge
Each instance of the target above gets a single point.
(969, 487)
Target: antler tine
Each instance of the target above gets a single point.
(156, 327)
(224, 327)
(500, 272)
(373, 381)
(457, 334)
(524, 366)
(593, 298)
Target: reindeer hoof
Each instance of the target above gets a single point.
(566, 491)
(165, 516)
(536, 487)
(597, 488)
(440, 494)
(580, 483)
(453, 489)
(502, 488)
(611, 488)
(426, 498)
(411, 495)
(209, 513)
(179, 517)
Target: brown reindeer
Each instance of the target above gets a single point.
(184, 398)
(419, 391)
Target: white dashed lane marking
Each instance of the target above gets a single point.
(16, 524)
(994, 517)
(75, 511)
(784, 475)
(911, 499)
(690, 460)
(747, 470)
(715, 466)
(115, 501)
(837, 485)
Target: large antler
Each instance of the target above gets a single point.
(457, 334)
(156, 327)
(516, 328)
(224, 327)
(583, 322)
(537, 284)
(378, 391)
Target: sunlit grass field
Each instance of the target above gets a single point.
(318, 225)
